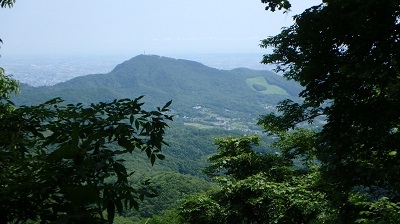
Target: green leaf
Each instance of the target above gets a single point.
(126, 144)
(79, 195)
(148, 152)
(137, 124)
(118, 204)
(153, 159)
(166, 105)
(118, 167)
(134, 204)
(110, 211)
(393, 153)
(65, 151)
(160, 156)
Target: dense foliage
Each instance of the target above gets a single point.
(346, 55)
(57, 164)
(171, 186)
(257, 187)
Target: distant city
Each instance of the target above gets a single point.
(46, 71)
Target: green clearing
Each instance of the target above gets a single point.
(197, 125)
(257, 82)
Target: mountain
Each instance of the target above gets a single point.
(200, 94)
(203, 98)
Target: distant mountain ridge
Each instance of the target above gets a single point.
(230, 94)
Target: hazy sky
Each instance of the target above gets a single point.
(69, 27)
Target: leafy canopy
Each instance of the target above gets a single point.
(346, 55)
(258, 187)
(65, 162)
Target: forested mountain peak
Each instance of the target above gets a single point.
(197, 91)
(156, 61)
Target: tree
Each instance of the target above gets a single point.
(346, 55)
(256, 187)
(7, 3)
(64, 163)
(276, 4)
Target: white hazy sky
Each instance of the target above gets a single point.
(88, 27)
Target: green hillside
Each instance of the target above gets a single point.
(200, 94)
